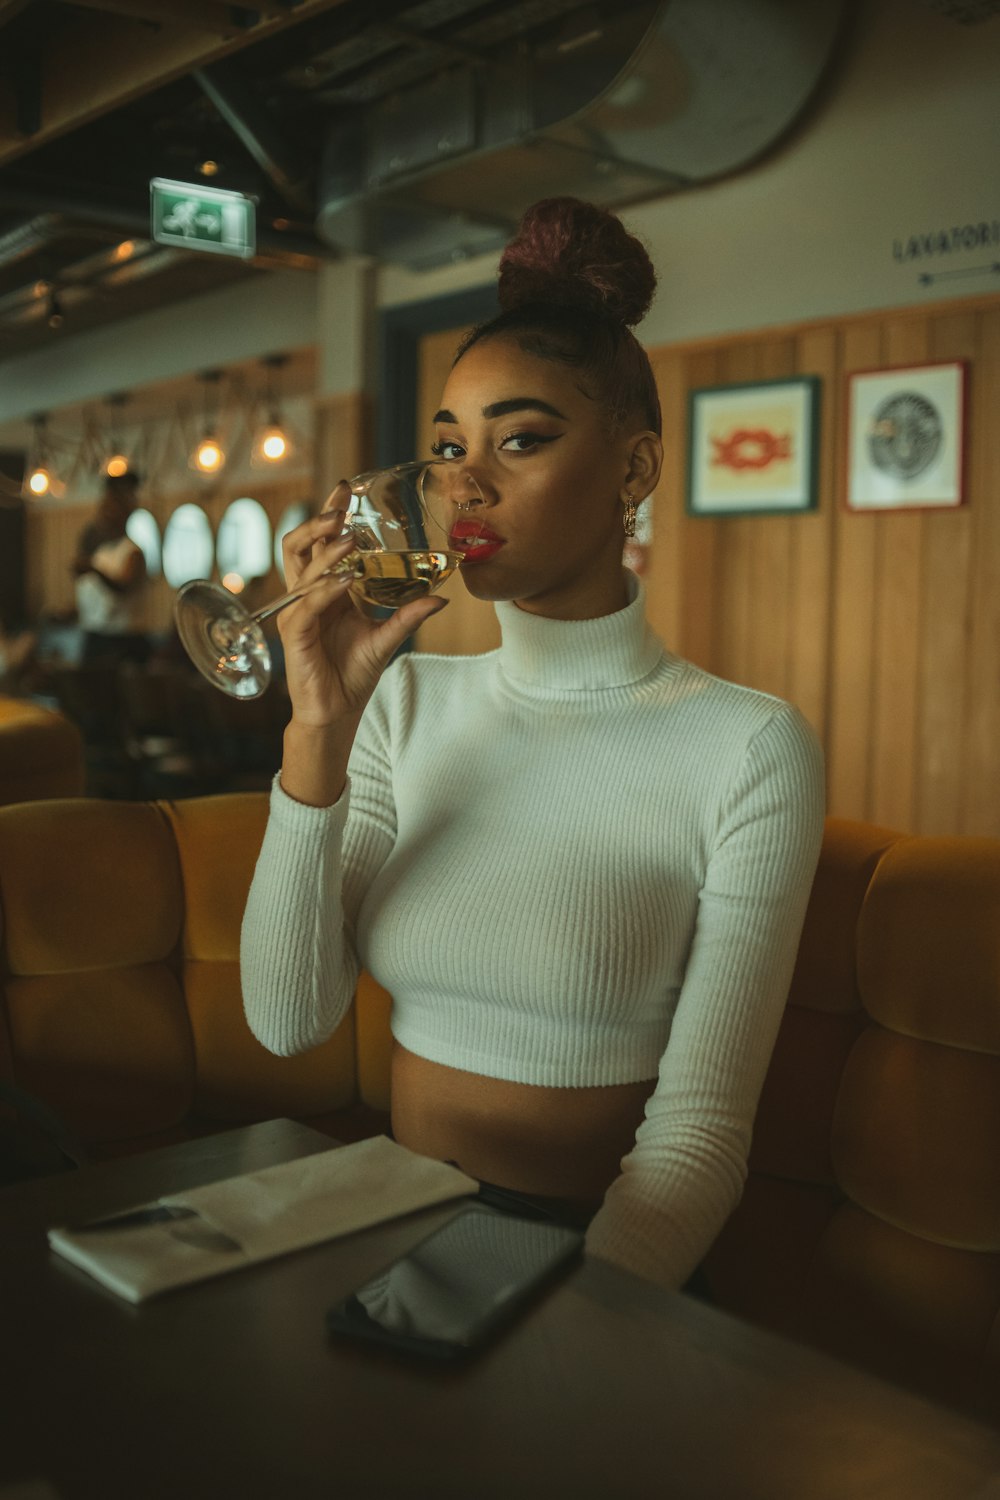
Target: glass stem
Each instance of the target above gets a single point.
(347, 564)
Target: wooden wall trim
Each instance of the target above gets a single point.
(918, 310)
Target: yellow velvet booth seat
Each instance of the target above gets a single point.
(122, 1006)
(870, 1225)
(41, 753)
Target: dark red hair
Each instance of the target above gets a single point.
(572, 284)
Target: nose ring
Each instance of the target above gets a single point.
(468, 504)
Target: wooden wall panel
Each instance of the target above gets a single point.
(980, 727)
(810, 589)
(883, 628)
(944, 660)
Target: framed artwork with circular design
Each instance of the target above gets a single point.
(906, 437)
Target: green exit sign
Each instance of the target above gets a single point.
(201, 218)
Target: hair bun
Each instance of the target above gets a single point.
(574, 254)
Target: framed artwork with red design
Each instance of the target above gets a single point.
(753, 450)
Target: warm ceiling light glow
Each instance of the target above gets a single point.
(209, 168)
(116, 466)
(208, 456)
(40, 481)
(125, 250)
(273, 445)
(234, 582)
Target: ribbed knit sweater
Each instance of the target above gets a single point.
(576, 860)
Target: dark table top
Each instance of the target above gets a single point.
(608, 1387)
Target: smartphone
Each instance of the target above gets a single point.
(457, 1287)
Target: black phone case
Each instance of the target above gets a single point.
(350, 1318)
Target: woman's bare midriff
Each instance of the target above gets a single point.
(561, 1142)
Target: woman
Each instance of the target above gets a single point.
(579, 864)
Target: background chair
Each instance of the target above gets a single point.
(41, 753)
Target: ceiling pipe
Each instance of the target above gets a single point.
(27, 238)
(225, 85)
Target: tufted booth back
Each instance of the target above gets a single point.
(41, 753)
(120, 972)
(870, 1224)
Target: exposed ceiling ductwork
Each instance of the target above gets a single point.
(617, 103)
(412, 130)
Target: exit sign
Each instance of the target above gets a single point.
(201, 218)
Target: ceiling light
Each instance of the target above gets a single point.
(209, 168)
(125, 250)
(209, 455)
(39, 481)
(40, 478)
(116, 463)
(55, 312)
(272, 442)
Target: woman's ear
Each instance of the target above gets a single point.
(645, 459)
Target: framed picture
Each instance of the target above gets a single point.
(753, 449)
(905, 436)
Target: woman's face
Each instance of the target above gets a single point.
(552, 479)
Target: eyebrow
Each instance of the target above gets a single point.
(504, 408)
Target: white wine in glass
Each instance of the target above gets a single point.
(394, 515)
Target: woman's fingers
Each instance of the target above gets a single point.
(297, 547)
(391, 634)
(339, 498)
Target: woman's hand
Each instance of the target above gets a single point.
(333, 655)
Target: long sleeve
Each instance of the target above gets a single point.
(686, 1172)
(298, 959)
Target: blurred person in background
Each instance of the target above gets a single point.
(111, 583)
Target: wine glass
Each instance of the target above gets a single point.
(398, 517)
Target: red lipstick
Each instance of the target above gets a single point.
(474, 540)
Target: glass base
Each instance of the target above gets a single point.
(222, 639)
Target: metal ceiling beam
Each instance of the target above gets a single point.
(92, 64)
(250, 121)
(210, 15)
(11, 8)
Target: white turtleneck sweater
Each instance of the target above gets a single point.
(576, 860)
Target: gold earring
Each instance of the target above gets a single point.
(628, 519)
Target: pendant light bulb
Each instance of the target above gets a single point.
(271, 445)
(208, 457)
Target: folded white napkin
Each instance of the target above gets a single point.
(242, 1220)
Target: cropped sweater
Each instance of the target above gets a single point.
(575, 860)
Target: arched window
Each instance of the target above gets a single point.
(293, 516)
(142, 528)
(187, 546)
(243, 546)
